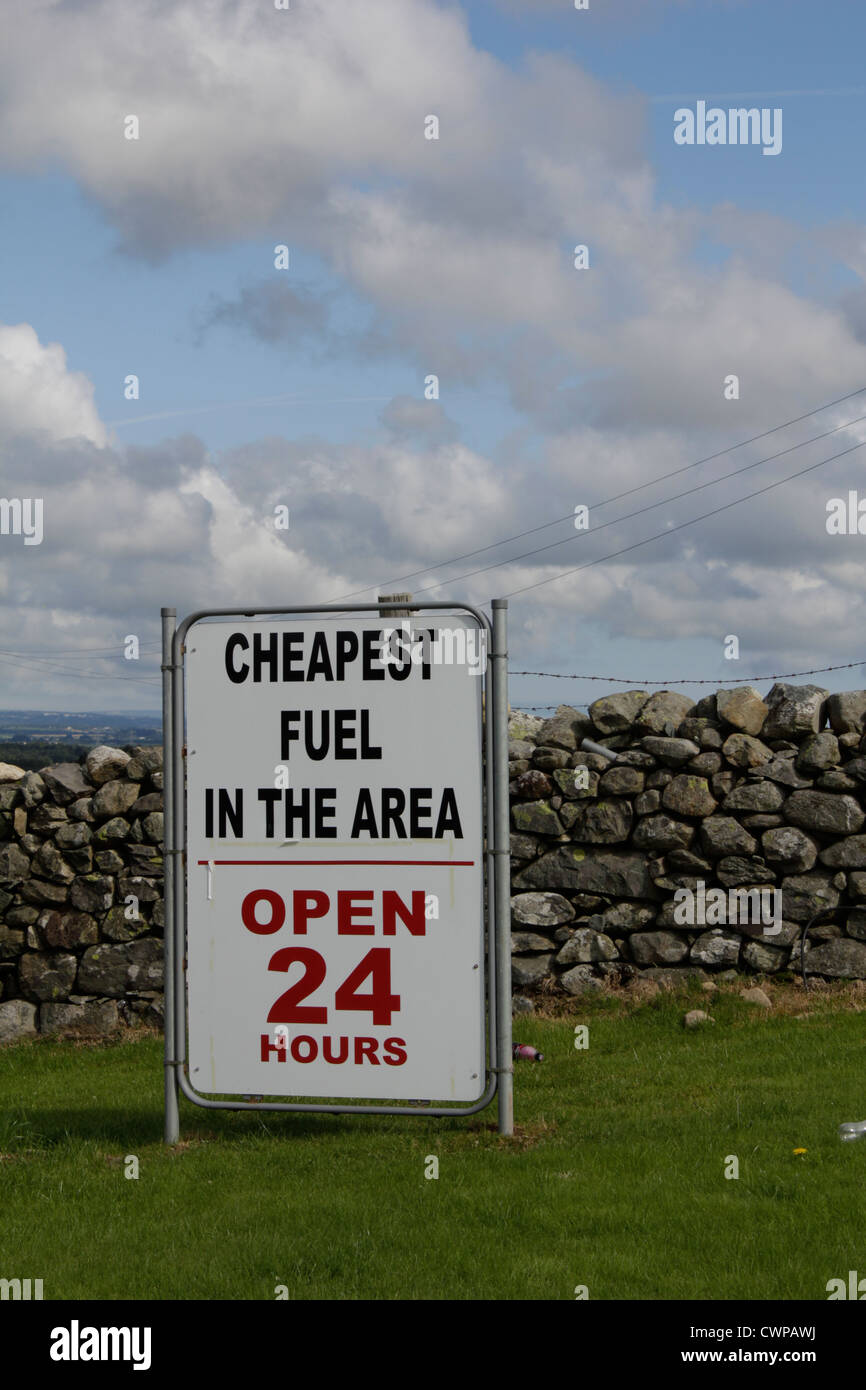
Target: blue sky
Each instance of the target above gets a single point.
(409, 257)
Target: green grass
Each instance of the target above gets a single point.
(615, 1178)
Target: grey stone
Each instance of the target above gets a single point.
(761, 822)
(841, 959)
(619, 711)
(687, 795)
(104, 764)
(603, 823)
(805, 894)
(517, 748)
(87, 1018)
(10, 772)
(697, 1018)
(672, 751)
(782, 770)
(11, 942)
(566, 729)
(657, 948)
(49, 862)
(104, 970)
(148, 754)
(66, 930)
(530, 786)
(72, 835)
(818, 753)
(550, 759)
(546, 910)
(45, 819)
(619, 874)
(636, 758)
(694, 728)
(38, 890)
(716, 948)
(115, 799)
(93, 893)
(757, 996)
(584, 946)
(765, 958)
(621, 781)
(663, 713)
(745, 751)
(32, 789)
(789, 847)
(82, 809)
(113, 830)
(742, 708)
(66, 782)
(569, 781)
(520, 725)
(835, 780)
(735, 871)
(522, 847)
(14, 866)
(647, 803)
(847, 712)
(826, 812)
(722, 835)
(705, 764)
(145, 965)
(526, 942)
(661, 832)
(626, 917)
(795, 710)
(580, 980)
(846, 854)
(17, 1021)
(536, 817)
(521, 1005)
(754, 796)
(529, 971)
(46, 977)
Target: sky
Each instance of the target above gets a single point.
(689, 384)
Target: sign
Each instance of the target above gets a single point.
(335, 900)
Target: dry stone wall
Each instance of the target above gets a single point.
(734, 793)
(731, 793)
(81, 912)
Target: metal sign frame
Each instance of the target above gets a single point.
(496, 826)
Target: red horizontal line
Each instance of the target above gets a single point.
(287, 863)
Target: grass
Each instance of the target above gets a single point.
(614, 1179)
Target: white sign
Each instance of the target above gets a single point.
(335, 940)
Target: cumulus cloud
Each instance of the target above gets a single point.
(39, 395)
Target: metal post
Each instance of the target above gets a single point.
(502, 862)
(172, 1118)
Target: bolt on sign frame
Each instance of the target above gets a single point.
(496, 857)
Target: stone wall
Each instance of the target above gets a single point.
(734, 792)
(81, 912)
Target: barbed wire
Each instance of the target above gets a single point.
(685, 680)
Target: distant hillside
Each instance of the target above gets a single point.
(61, 729)
(32, 756)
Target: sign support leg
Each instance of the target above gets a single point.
(502, 864)
(172, 1118)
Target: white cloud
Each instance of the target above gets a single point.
(38, 394)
